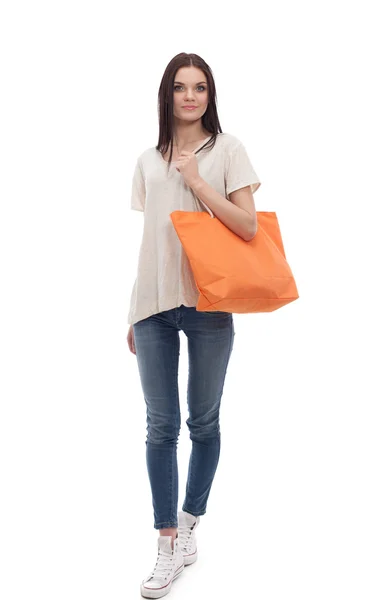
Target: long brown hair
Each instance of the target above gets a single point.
(210, 119)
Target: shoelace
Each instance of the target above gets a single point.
(163, 566)
(185, 537)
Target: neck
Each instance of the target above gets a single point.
(189, 135)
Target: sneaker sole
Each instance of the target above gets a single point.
(158, 593)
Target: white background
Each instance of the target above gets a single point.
(297, 505)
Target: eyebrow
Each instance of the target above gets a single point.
(196, 83)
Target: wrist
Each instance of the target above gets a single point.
(197, 184)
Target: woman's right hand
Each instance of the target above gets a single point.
(130, 340)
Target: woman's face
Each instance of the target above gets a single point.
(190, 88)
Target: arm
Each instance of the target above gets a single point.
(239, 215)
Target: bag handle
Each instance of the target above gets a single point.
(196, 197)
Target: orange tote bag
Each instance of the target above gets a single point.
(233, 275)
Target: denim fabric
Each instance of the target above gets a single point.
(157, 342)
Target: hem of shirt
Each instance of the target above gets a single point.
(167, 304)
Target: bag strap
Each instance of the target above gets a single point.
(197, 198)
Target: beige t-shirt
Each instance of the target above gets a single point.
(164, 277)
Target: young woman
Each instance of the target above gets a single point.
(193, 160)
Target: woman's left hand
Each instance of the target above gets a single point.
(187, 165)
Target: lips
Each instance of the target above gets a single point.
(190, 107)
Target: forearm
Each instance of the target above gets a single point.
(236, 219)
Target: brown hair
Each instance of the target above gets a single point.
(210, 118)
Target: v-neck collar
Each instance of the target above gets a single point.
(195, 150)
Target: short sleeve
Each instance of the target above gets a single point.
(239, 171)
(138, 189)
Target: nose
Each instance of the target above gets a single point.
(189, 96)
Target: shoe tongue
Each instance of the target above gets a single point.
(165, 542)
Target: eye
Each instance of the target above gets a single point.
(199, 86)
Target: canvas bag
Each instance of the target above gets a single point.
(233, 275)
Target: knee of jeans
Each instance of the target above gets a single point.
(158, 434)
(204, 432)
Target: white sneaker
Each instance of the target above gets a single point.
(187, 525)
(170, 564)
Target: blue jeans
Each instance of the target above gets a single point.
(157, 342)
